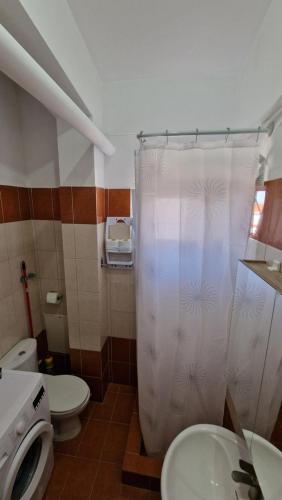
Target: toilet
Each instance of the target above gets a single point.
(68, 395)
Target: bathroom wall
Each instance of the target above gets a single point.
(30, 220)
(16, 235)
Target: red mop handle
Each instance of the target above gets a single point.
(24, 281)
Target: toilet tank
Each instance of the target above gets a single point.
(23, 356)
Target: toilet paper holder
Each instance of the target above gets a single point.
(53, 297)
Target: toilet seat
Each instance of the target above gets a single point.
(66, 393)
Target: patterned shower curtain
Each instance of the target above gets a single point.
(193, 207)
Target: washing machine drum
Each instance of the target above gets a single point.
(31, 464)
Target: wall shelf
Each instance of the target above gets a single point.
(259, 267)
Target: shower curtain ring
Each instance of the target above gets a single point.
(228, 133)
(197, 133)
(258, 134)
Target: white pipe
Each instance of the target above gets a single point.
(18, 65)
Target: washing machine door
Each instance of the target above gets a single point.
(32, 465)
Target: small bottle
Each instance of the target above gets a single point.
(49, 365)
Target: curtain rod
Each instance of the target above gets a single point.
(18, 65)
(228, 131)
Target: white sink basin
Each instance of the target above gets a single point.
(267, 461)
(200, 460)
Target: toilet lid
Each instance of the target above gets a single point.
(66, 392)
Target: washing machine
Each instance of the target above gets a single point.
(26, 436)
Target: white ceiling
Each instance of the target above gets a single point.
(131, 39)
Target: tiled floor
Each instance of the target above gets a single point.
(89, 466)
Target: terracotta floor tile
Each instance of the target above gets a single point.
(59, 476)
(113, 387)
(127, 389)
(71, 447)
(93, 439)
(154, 495)
(132, 493)
(107, 485)
(115, 443)
(81, 479)
(88, 411)
(103, 411)
(134, 435)
(123, 408)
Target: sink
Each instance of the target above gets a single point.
(200, 460)
(267, 461)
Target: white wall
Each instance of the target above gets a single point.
(56, 24)
(154, 105)
(260, 84)
(39, 142)
(12, 166)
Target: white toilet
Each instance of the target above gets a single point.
(68, 395)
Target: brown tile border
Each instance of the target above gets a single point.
(139, 470)
(117, 202)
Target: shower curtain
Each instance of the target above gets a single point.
(193, 207)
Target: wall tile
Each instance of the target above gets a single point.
(38, 324)
(58, 235)
(68, 240)
(120, 350)
(6, 280)
(87, 275)
(72, 307)
(120, 373)
(47, 264)
(74, 335)
(15, 238)
(255, 250)
(86, 241)
(10, 203)
(122, 324)
(75, 356)
(88, 304)
(122, 291)
(66, 204)
(3, 243)
(84, 205)
(24, 201)
(118, 203)
(70, 275)
(272, 253)
(56, 204)
(44, 232)
(89, 336)
(42, 204)
(91, 363)
(56, 329)
(100, 205)
(28, 236)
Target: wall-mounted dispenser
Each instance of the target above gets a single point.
(119, 241)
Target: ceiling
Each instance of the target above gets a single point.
(132, 39)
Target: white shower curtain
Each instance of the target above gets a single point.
(193, 207)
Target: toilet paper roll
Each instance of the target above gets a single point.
(53, 297)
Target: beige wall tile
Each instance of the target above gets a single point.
(3, 243)
(122, 324)
(72, 307)
(86, 241)
(60, 265)
(70, 275)
(89, 336)
(38, 324)
(44, 231)
(48, 267)
(255, 250)
(58, 235)
(122, 296)
(28, 236)
(6, 280)
(89, 306)
(272, 253)
(87, 275)
(68, 241)
(56, 328)
(74, 335)
(15, 238)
